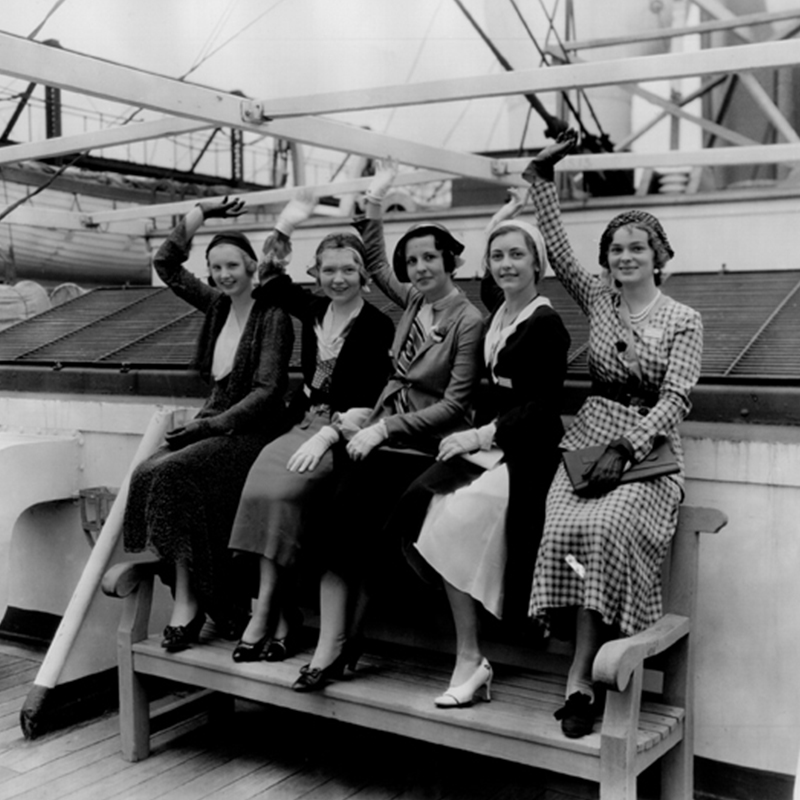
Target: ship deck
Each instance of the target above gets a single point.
(259, 752)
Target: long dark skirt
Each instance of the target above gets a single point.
(357, 542)
(182, 505)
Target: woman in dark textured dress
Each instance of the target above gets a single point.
(184, 497)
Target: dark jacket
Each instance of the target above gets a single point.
(364, 363)
(252, 398)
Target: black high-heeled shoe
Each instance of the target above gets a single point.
(312, 680)
(249, 651)
(281, 649)
(181, 637)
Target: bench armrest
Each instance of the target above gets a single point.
(617, 659)
(123, 579)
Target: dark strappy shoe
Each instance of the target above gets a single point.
(249, 651)
(181, 637)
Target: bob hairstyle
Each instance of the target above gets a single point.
(239, 240)
(341, 241)
(445, 242)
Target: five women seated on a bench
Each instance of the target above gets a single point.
(387, 453)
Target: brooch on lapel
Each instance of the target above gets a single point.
(438, 334)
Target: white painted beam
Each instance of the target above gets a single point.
(761, 154)
(713, 156)
(569, 76)
(731, 23)
(110, 137)
(266, 197)
(52, 66)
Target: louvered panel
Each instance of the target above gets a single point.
(149, 326)
(733, 305)
(63, 320)
(100, 340)
(173, 346)
(775, 353)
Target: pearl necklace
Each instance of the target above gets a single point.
(642, 315)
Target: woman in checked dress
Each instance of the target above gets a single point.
(644, 358)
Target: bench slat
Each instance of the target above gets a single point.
(521, 710)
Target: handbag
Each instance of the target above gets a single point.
(661, 460)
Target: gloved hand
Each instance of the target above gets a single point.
(457, 443)
(184, 435)
(221, 207)
(382, 180)
(517, 197)
(297, 210)
(366, 440)
(350, 422)
(543, 164)
(309, 454)
(606, 473)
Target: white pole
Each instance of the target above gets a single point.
(90, 579)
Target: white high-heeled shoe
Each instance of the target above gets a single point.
(469, 691)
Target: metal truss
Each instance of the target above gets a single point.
(191, 107)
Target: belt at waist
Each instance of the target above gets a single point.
(623, 395)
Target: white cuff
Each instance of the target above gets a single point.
(486, 435)
(328, 434)
(285, 227)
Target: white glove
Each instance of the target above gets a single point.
(366, 440)
(309, 454)
(297, 210)
(466, 442)
(518, 196)
(382, 180)
(350, 422)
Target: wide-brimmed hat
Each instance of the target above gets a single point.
(451, 244)
(232, 237)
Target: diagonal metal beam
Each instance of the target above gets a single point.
(63, 145)
(766, 104)
(92, 76)
(740, 21)
(596, 73)
(785, 34)
(749, 81)
(672, 109)
(676, 111)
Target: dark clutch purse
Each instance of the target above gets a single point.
(661, 460)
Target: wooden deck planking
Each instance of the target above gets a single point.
(261, 753)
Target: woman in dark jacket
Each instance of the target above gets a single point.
(183, 498)
(345, 360)
(483, 502)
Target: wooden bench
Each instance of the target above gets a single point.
(395, 684)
